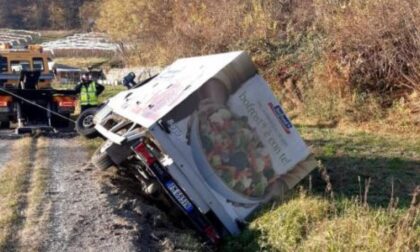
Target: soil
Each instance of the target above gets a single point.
(80, 217)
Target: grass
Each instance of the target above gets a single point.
(373, 175)
(110, 91)
(14, 181)
(23, 185)
(389, 160)
(91, 144)
(352, 59)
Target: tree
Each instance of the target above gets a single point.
(40, 14)
(88, 13)
(134, 20)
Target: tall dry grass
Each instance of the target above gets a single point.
(374, 45)
(312, 223)
(14, 183)
(352, 54)
(161, 31)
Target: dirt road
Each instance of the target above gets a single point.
(83, 209)
(81, 218)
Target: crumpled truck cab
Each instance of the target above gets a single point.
(226, 144)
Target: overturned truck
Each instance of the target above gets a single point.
(209, 135)
(27, 98)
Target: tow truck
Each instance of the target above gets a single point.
(28, 102)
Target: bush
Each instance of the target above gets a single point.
(349, 54)
(373, 44)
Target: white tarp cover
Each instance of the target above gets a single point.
(224, 119)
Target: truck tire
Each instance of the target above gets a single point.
(85, 125)
(101, 160)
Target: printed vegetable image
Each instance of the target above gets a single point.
(235, 152)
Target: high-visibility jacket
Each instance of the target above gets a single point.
(88, 94)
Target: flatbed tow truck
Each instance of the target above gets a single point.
(28, 102)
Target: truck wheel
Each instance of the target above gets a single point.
(85, 125)
(101, 160)
(5, 125)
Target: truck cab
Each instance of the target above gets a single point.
(13, 61)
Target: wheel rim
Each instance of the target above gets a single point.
(88, 121)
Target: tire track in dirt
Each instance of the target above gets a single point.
(81, 218)
(23, 204)
(37, 209)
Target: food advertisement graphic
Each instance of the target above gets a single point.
(223, 118)
(235, 152)
(238, 135)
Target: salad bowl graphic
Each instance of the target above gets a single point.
(230, 155)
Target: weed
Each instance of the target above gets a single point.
(359, 200)
(332, 60)
(36, 213)
(14, 181)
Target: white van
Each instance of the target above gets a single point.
(208, 133)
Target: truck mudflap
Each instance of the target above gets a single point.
(177, 195)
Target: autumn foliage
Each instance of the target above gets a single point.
(354, 51)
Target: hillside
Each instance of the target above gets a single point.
(349, 74)
(336, 60)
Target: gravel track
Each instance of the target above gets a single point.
(81, 218)
(91, 210)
